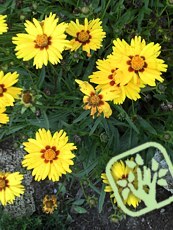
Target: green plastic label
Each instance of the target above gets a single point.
(147, 177)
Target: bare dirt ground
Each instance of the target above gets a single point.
(160, 219)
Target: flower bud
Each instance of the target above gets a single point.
(85, 10)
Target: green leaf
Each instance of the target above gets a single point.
(82, 116)
(131, 177)
(146, 126)
(87, 170)
(79, 202)
(148, 155)
(125, 193)
(154, 165)
(101, 199)
(97, 122)
(79, 209)
(126, 18)
(15, 128)
(46, 120)
(139, 160)
(122, 183)
(162, 172)
(127, 118)
(89, 68)
(130, 164)
(162, 182)
(41, 77)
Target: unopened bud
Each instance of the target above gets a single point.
(85, 10)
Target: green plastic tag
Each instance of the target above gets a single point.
(146, 176)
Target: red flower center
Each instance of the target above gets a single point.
(137, 63)
(83, 37)
(2, 89)
(3, 183)
(95, 100)
(42, 41)
(49, 154)
(113, 77)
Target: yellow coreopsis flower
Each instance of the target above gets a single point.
(120, 171)
(44, 41)
(89, 35)
(7, 92)
(48, 156)
(95, 101)
(4, 118)
(49, 204)
(138, 60)
(110, 78)
(10, 187)
(3, 24)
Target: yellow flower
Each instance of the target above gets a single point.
(110, 78)
(44, 41)
(3, 24)
(7, 92)
(3, 117)
(48, 156)
(120, 171)
(49, 204)
(95, 100)
(89, 35)
(10, 187)
(138, 60)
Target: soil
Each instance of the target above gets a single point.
(161, 219)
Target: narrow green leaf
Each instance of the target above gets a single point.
(89, 68)
(41, 77)
(46, 120)
(87, 170)
(97, 122)
(146, 126)
(15, 128)
(94, 188)
(101, 199)
(127, 118)
(82, 116)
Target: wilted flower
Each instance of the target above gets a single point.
(49, 204)
(94, 100)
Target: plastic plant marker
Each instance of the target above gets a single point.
(145, 176)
